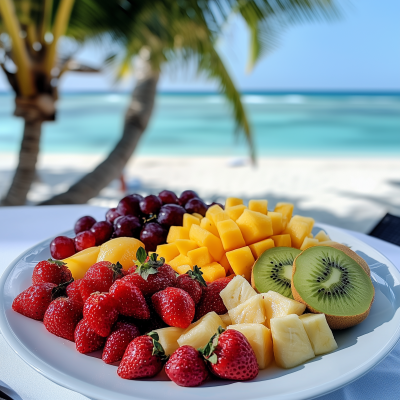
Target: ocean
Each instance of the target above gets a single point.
(311, 125)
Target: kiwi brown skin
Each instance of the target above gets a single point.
(335, 321)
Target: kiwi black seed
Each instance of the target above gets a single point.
(273, 271)
(329, 281)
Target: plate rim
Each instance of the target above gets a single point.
(90, 390)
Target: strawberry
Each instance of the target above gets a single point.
(230, 356)
(74, 293)
(131, 301)
(105, 271)
(193, 283)
(143, 358)
(89, 286)
(62, 316)
(86, 339)
(186, 367)
(116, 344)
(174, 306)
(100, 311)
(51, 271)
(33, 302)
(211, 300)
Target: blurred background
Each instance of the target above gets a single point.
(293, 101)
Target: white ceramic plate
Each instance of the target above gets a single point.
(360, 347)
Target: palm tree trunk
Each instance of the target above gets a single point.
(26, 170)
(136, 120)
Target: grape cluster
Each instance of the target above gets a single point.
(145, 218)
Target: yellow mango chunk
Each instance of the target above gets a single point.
(212, 272)
(122, 250)
(200, 256)
(308, 242)
(254, 226)
(236, 211)
(259, 247)
(215, 214)
(277, 222)
(177, 232)
(225, 263)
(182, 269)
(209, 226)
(197, 215)
(189, 220)
(308, 220)
(321, 236)
(282, 240)
(185, 245)
(241, 260)
(230, 235)
(207, 239)
(232, 201)
(286, 209)
(298, 231)
(180, 260)
(80, 262)
(260, 206)
(168, 251)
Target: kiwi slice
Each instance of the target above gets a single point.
(329, 281)
(273, 271)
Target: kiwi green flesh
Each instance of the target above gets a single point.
(331, 282)
(273, 270)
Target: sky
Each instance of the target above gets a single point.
(358, 52)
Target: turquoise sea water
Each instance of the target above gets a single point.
(302, 125)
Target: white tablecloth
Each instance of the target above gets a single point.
(23, 227)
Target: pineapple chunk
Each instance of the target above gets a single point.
(282, 240)
(277, 222)
(241, 260)
(226, 319)
(260, 340)
(180, 260)
(168, 338)
(177, 232)
(200, 332)
(236, 292)
(185, 245)
(277, 305)
(189, 220)
(286, 209)
(236, 211)
(258, 248)
(322, 236)
(207, 239)
(212, 272)
(200, 256)
(168, 251)
(260, 206)
(209, 226)
(307, 242)
(290, 341)
(251, 311)
(319, 333)
(182, 269)
(233, 201)
(254, 226)
(230, 235)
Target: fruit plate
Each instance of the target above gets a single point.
(360, 348)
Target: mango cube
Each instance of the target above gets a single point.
(80, 262)
(197, 215)
(254, 226)
(212, 211)
(321, 236)
(212, 272)
(260, 206)
(177, 232)
(225, 263)
(185, 245)
(180, 260)
(183, 269)
(232, 201)
(168, 338)
(259, 247)
(298, 231)
(286, 209)
(207, 239)
(236, 211)
(209, 226)
(189, 220)
(250, 312)
(241, 260)
(282, 240)
(308, 242)
(230, 235)
(277, 222)
(308, 220)
(168, 251)
(200, 256)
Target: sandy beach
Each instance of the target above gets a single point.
(353, 193)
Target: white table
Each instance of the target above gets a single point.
(22, 227)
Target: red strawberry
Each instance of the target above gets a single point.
(131, 301)
(186, 367)
(175, 307)
(51, 271)
(123, 333)
(211, 300)
(100, 311)
(89, 286)
(193, 283)
(143, 358)
(62, 316)
(131, 270)
(105, 271)
(74, 293)
(231, 356)
(86, 339)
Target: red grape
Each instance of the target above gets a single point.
(186, 196)
(150, 205)
(152, 235)
(171, 214)
(196, 205)
(111, 215)
(128, 226)
(129, 205)
(168, 197)
(102, 231)
(62, 247)
(84, 224)
(84, 240)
